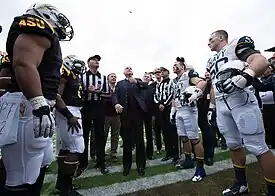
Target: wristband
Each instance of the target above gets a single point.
(38, 102)
(66, 113)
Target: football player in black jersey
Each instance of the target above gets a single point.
(27, 121)
(69, 128)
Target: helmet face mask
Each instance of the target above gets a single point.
(59, 21)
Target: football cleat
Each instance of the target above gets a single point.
(236, 189)
(199, 174)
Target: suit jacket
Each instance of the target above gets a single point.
(120, 94)
(149, 98)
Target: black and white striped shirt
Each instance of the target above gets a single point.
(164, 92)
(99, 81)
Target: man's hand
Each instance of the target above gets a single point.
(43, 118)
(74, 125)
(161, 107)
(92, 89)
(118, 108)
(132, 80)
(173, 115)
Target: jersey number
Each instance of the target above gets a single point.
(79, 92)
(215, 67)
(32, 22)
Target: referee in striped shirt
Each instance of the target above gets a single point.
(95, 87)
(163, 98)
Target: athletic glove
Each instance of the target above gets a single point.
(43, 118)
(195, 95)
(173, 115)
(240, 81)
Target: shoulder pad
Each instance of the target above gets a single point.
(193, 74)
(30, 24)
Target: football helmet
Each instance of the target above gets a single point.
(228, 70)
(74, 64)
(57, 20)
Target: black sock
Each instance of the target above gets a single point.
(270, 187)
(200, 162)
(187, 156)
(240, 174)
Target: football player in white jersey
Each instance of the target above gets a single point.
(232, 69)
(186, 118)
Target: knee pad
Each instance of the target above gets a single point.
(48, 155)
(255, 144)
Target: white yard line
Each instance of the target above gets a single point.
(158, 180)
(117, 168)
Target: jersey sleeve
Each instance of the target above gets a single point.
(30, 24)
(193, 74)
(244, 48)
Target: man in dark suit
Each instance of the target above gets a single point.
(130, 104)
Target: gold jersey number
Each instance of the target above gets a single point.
(79, 92)
(32, 22)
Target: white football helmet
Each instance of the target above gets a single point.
(59, 21)
(74, 64)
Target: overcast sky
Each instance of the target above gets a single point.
(156, 32)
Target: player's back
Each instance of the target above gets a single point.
(49, 68)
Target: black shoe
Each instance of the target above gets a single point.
(96, 166)
(224, 147)
(126, 172)
(150, 157)
(141, 171)
(79, 171)
(166, 158)
(175, 160)
(209, 161)
(104, 170)
(71, 192)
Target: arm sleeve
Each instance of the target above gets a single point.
(244, 48)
